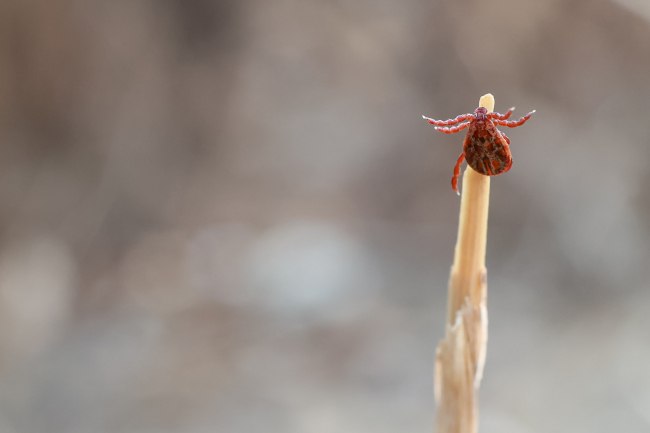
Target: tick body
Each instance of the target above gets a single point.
(486, 149)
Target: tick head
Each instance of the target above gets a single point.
(480, 113)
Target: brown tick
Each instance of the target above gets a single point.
(486, 149)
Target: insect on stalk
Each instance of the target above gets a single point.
(486, 149)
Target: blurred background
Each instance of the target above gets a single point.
(229, 216)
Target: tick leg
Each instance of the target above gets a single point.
(453, 129)
(505, 136)
(514, 123)
(503, 116)
(448, 122)
(454, 178)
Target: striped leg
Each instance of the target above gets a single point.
(453, 129)
(454, 179)
(448, 122)
(503, 116)
(514, 123)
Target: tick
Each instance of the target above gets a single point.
(486, 149)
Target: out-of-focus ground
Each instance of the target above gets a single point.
(228, 216)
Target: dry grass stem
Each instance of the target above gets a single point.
(461, 354)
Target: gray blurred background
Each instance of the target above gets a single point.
(229, 216)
